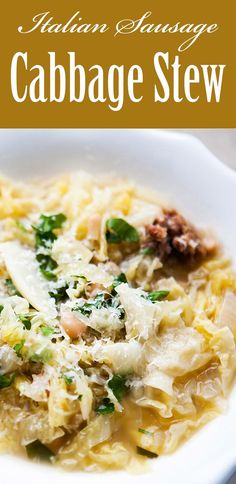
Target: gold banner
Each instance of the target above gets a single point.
(118, 64)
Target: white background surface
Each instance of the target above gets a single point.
(222, 142)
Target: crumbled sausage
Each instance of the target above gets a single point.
(171, 233)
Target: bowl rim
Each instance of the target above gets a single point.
(227, 465)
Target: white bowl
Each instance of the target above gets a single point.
(205, 190)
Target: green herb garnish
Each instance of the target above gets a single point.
(44, 357)
(21, 226)
(1, 308)
(59, 294)
(47, 223)
(157, 295)
(44, 238)
(146, 453)
(118, 386)
(37, 451)
(118, 230)
(18, 347)
(6, 380)
(119, 280)
(11, 288)
(105, 407)
(99, 302)
(26, 321)
(47, 266)
(47, 330)
(80, 397)
(81, 277)
(144, 431)
(147, 251)
(68, 379)
(44, 235)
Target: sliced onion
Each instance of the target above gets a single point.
(24, 272)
